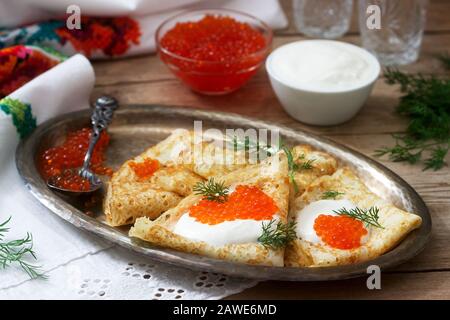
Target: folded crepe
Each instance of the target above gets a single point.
(183, 161)
(130, 196)
(326, 238)
(228, 230)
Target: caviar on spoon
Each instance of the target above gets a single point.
(83, 180)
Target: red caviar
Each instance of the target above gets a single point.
(215, 54)
(340, 232)
(70, 154)
(70, 180)
(246, 202)
(145, 169)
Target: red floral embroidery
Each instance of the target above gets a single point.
(20, 64)
(113, 36)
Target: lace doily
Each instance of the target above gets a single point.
(114, 273)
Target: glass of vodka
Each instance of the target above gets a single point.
(392, 30)
(329, 19)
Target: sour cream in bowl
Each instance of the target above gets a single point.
(322, 82)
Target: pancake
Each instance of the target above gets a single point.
(183, 160)
(129, 196)
(396, 223)
(204, 156)
(269, 177)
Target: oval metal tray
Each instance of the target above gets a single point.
(134, 128)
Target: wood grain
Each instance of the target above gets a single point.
(424, 285)
(148, 68)
(146, 80)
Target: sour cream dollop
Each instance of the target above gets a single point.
(227, 232)
(305, 217)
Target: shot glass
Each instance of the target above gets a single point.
(328, 19)
(392, 30)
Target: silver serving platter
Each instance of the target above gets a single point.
(134, 128)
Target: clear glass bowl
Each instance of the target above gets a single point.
(211, 77)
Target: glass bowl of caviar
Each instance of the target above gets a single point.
(213, 51)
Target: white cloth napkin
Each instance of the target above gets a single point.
(64, 88)
(148, 13)
(80, 265)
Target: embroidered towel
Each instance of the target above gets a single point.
(109, 28)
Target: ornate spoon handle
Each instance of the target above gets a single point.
(101, 118)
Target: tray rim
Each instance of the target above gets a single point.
(69, 213)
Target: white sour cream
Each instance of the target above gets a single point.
(305, 218)
(321, 65)
(228, 232)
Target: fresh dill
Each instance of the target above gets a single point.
(16, 251)
(294, 165)
(305, 165)
(277, 236)
(369, 217)
(426, 102)
(212, 190)
(331, 194)
(251, 146)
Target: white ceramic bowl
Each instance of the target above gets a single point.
(323, 106)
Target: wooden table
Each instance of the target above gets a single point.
(146, 80)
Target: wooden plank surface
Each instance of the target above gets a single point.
(146, 80)
(425, 285)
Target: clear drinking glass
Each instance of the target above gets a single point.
(329, 19)
(392, 30)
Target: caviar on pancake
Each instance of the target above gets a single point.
(246, 202)
(340, 232)
(145, 169)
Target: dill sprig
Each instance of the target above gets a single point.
(305, 165)
(296, 165)
(212, 190)
(369, 217)
(275, 237)
(426, 102)
(331, 194)
(293, 165)
(16, 251)
(251, 146)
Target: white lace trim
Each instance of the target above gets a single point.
(116, 273)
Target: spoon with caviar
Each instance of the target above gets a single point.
(82, 180)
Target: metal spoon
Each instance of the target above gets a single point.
(100, 119)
